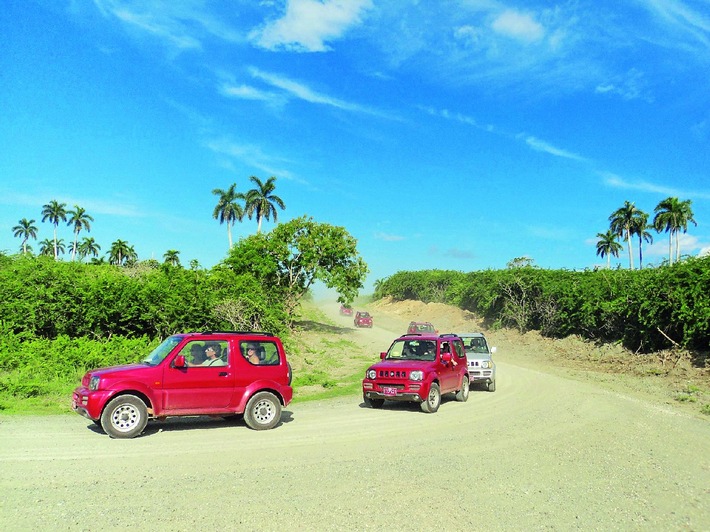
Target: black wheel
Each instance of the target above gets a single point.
(492, 386)
(373, 403)
(462, 394)
(433, 400)
(124, 417)
(263, 411)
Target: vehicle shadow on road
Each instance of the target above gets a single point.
(314, 326)
(406, 406)
(173, 424)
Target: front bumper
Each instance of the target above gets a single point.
(393, 392)
(89, 403)
(480, 375)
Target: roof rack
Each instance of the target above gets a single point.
(259, 333)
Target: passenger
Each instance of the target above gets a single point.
(252, 354)
(213, 351)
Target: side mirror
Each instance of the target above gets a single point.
(493, 349)
(446, 358)
(383, 355)
(179, 362)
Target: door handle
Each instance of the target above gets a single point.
(223, 374)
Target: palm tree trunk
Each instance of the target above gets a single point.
(631, 252)
(670, 248)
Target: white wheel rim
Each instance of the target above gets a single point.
(125, 418)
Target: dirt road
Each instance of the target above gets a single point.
(542, 452)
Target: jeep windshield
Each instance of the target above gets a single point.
(412, 350)
(158, 354)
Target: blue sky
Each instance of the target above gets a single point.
(455, 135)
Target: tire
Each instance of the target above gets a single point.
(125, 416)
(263, 411)
(492, 386)
(373, 403)
(462, 394)
(433, 400)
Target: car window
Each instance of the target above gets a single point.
(262, 353)
(412, 350)
(458, 349)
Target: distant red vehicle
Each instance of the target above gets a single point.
(345, 310)
(421, 327)
(363, 319)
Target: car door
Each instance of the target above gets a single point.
(199, 387)
(448, 373)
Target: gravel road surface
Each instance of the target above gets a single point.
(543, 452)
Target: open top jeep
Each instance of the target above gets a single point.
(209, 373)
(418, 368)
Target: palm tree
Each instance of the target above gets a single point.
(25, 229)
(88, 246)
(672, 216)
(79, 219)
(623, 221)
(55, 213)
(46, 248)
(261, 201)
(608, 245)
(120, 252)
(227, 209)
(640, 228)
(171, 257)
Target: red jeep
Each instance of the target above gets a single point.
(362, 319)
(418, 368)
(210, 373)
(423, 327)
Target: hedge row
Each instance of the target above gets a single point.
(646, 310)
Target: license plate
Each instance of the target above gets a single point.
(389, 391)
(73, 404)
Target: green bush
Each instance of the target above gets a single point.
(646, 310)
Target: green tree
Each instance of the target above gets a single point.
(78, 220)
(88, 246)
(288, 260)
(640, 228)
(622, 222)
(673, 216)
(227, 209)
(55, 212)
(47, 247)
(608, 245)
(171, 257)
(262, 201)
(520, 262)
(121, 253)
(25, 229)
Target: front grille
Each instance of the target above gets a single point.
(391, 385)
(392, 374)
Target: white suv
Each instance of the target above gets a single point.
(481, 368)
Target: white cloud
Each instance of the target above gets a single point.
(388, 237)
(541, 145)
(519, 26)
(308, 24)
(250, 155)
(247, 92)
(305, 93)
(682, 16)
(615, 181)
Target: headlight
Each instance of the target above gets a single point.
(371, 374)
(416, 375)
(94, 383)
(485, 364)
